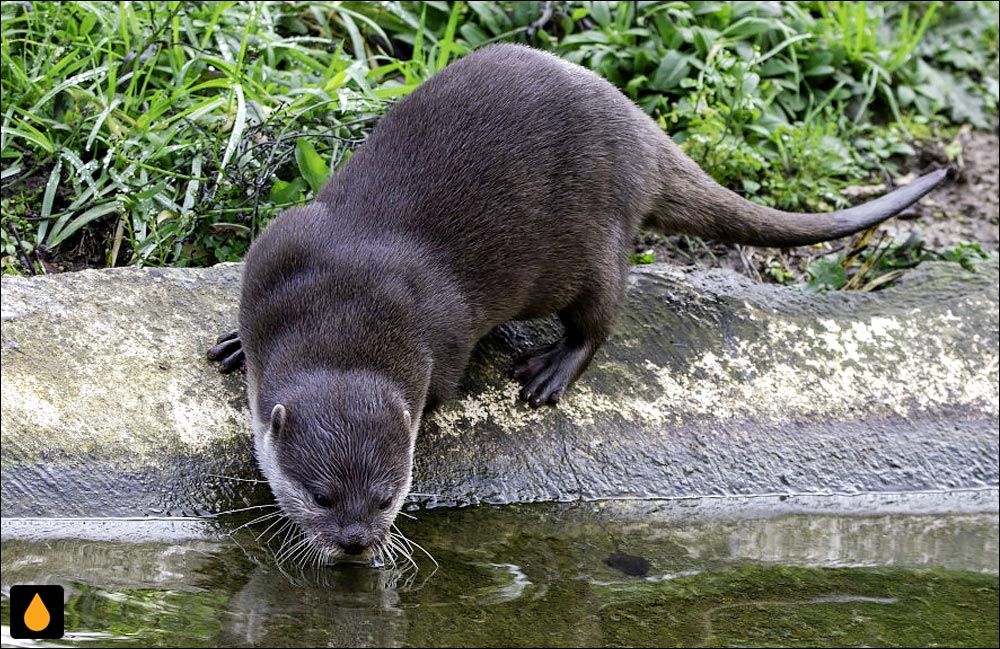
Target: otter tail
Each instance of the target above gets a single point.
(690, 202)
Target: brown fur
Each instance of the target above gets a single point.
(508, 186)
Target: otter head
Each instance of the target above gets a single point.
(337, 450)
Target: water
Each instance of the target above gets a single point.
(751, 572)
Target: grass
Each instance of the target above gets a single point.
(169, 133)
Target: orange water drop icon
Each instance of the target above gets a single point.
(37, 616)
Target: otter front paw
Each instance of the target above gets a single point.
(228, 351)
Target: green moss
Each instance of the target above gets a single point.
(537, 576)
(794, 607)
(161, 618)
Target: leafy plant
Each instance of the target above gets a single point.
(779, 272)
(642, 258)
(865, 266)
(169, 123)
(170, 133)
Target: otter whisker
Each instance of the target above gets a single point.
(390, 553)
(290, 539)
(286, 531)
(234, 478)
(259, 519)
(284, 553)
(404, 551)
(320, 555)
(281, 522)
(282, 543)
(290, 549)
(400, 538)
(310, 556)
(281, 569)
(304, 545)
(297, 540)
(404, 546)
(387, 555)
(399, 543)
(414, 544)
(306, 557)
(242, 509)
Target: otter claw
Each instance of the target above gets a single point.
(229, 352)
(233, 362)
(224, 349)
(547, 372)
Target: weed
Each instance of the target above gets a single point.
(170, 133)
(867, 266)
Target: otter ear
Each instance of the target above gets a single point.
(278, 416)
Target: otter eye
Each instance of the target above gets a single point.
(384, 504)
(322, 500)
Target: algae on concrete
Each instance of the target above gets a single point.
(710, 385)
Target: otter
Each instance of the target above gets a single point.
(508, 186)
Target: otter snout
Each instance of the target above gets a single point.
(354, 539)
(352, 548)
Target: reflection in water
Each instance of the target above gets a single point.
(348, 606)
(955, 542)
(509, 584)
(538, 575)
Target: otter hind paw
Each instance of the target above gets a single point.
(547, 372)
(228, 351)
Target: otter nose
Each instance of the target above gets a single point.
(353, 539)
(352, 548)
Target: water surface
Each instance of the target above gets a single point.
(677, 573)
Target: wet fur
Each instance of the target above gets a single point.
(509, 186)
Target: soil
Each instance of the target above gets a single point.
(965, 209)
(87, 248)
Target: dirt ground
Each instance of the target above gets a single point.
(966, 208)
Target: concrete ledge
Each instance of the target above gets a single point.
(711, 386)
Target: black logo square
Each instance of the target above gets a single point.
(36, 612)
